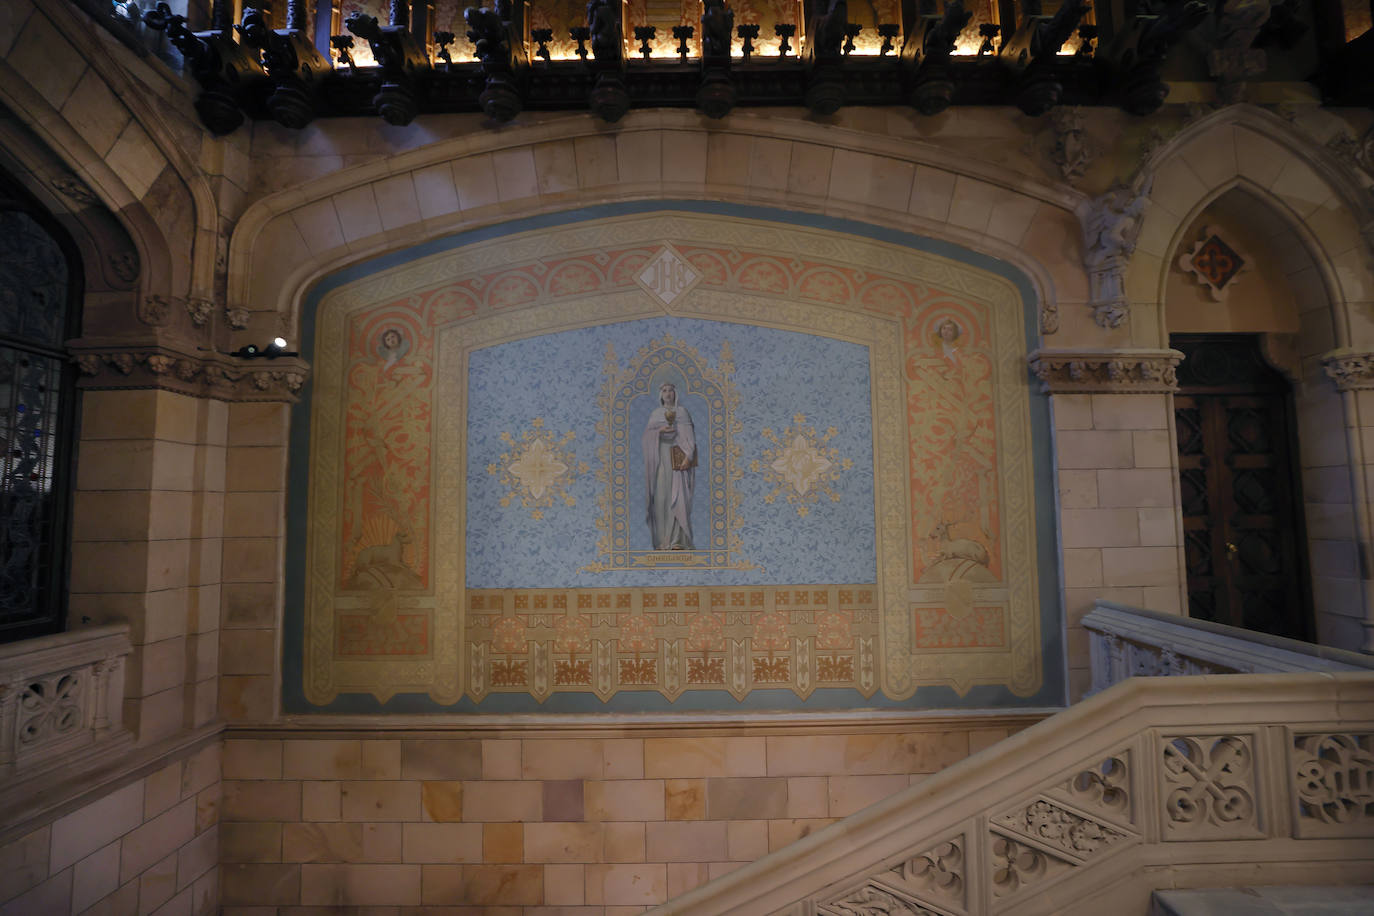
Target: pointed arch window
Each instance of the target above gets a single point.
(38, 289)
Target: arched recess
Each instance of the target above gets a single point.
(354, 558)
(111, 257)
(1310, 216)
(1281, 296)
(1247, 147)
(285, 242)
(136, 152)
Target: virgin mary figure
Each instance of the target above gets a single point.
(670, 461)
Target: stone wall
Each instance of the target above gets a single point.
(1119, 524)
(147, 844)
(601, 824)
(146, 547)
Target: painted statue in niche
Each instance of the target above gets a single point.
(670, 462)
(669, 366)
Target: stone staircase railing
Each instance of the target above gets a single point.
(1127, 642)
(1153, 783)
(61, 697)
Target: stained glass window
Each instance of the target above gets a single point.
(34, 451)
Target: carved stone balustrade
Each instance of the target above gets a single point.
(62, 697)
(1153, 784)
(1131, 642)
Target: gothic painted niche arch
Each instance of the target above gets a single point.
(627, 401)
(866, 524)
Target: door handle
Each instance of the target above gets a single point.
(1231, 550)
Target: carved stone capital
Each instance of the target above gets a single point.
(1351, 370)
(108, 364)
(1106, 371)
(200, 310)
(154, 310)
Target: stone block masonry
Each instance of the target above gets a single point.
(149, 846)
(523, 824)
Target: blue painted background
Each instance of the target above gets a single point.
(558, 377)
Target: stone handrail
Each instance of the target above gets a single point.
(1149, 784)
(1127, 642)
(61, 696)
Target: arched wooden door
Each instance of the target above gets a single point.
(1242, 526)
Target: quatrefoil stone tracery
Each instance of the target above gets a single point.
(49, 709)
(1208, 787)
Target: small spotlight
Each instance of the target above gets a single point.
(276, 348)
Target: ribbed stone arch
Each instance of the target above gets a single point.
(1317, 221)
(62, 82)
(285, 242)
(1258, 153)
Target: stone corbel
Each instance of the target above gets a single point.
(1351, 370)
(109, 364)
(1107, 289)
(1075, 371)
(1111, 225)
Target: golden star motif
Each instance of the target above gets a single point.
(537, 468)
(800, 464)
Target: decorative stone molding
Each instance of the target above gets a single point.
(1072, 152)
(74, 188)
(200, 310)
(60, 696)
(1351, 370)
(154, 310)
(1049, 318)
(238, 317)
(124, 264)
(1353, 153)
(1207, 785)
(1332, 773)
(204, 375)
(1129, 642)
(1105, 371)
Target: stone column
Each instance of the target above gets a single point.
(1338, 490)
(1119, 519)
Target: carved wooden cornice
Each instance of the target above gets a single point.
(1106, 371)
(1351, 370)
(282, 74)
(215, 375)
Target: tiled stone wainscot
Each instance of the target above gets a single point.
(593, 823)
(150, 846)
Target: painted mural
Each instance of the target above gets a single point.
(667, 466)
(677, 456)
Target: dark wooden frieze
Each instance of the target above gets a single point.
(294, 65)
(253, 71)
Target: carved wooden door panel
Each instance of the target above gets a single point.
(1241, 528)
